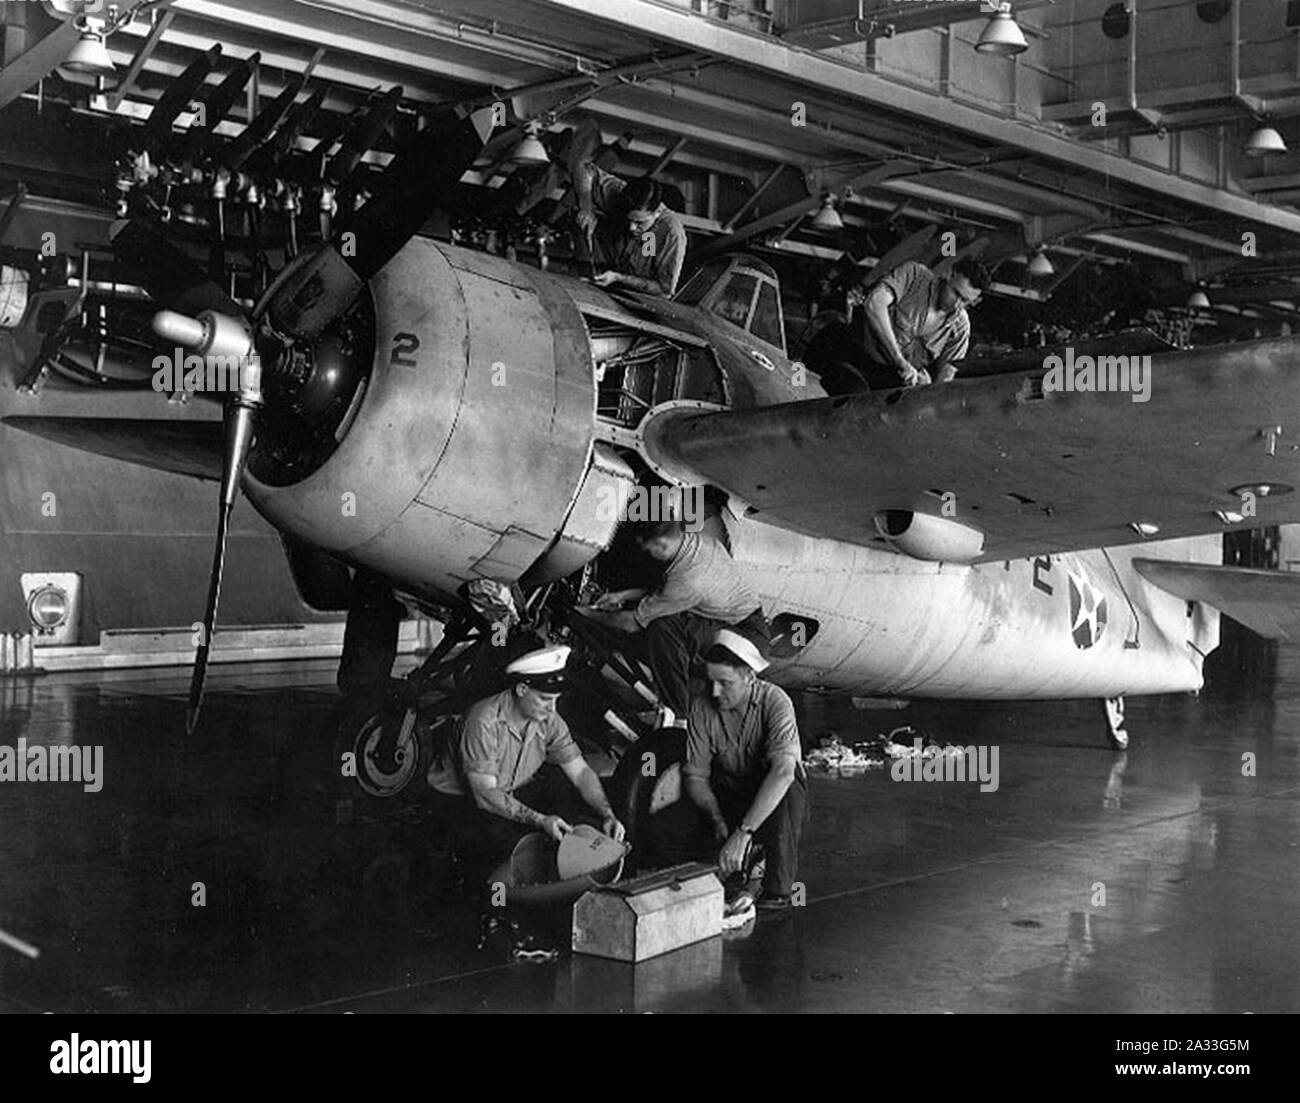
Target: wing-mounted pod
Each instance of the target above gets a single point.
(934, 539)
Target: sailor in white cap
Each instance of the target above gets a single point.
(743, 767)
(494, 789)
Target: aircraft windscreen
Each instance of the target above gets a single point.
(741, 290)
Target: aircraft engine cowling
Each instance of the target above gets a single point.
(454, 446)
(934, 539)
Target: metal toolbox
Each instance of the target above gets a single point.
(649, 915)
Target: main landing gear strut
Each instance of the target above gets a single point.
(389, 737)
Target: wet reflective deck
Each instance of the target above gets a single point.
(1157, 880)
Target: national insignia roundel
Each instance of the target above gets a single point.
(1087, 612)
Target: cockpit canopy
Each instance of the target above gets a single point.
(742, 290)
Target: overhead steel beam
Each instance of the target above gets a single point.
(898, 18)
(1131, 246)
(665, 158)
(954, 198)
(143, 54)
(781, 61)
(1197, 238)
(754, 197)
(34, 63)
(798, 209)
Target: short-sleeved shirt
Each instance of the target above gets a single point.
(701, 578)
(492, 742)
(737, 746)
(657, 258)
(916, 290)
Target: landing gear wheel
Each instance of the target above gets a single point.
(383, 750)
(647, 780)
(1115, 732)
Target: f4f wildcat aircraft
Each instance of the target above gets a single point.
(981, 539)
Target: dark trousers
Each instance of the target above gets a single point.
(482, 840)
(684, 833)
(838, 356)
(673, 642)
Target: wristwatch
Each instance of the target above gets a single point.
(745, 830)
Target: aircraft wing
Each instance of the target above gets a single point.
(1035, 471)
(1266, 602)
(180, 447)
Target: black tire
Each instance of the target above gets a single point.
(638, 782)
(382, 772)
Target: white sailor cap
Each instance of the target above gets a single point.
(542, 669)
(742, 648)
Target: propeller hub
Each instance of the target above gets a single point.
(209, 334)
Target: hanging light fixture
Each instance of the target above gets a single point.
(89, 55)
(1002, 35)
(828, 218)
(530, 150)
(1039, 265)
(1198, 300)
(1263, 141)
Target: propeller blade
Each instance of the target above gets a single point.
(417, 181)
(177, 95)
(174, 281)
(411, 189)
(302, 116)
(217, 104)
(241, 417)
(263, 127)
(332, 127)
(363, 133)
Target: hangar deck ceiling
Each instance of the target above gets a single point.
(905, 124)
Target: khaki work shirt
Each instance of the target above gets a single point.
(491, 743)
(916, 290)
(658, 257)
(702, 579)
(736, 746)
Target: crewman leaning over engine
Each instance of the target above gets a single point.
(639, 243)
(701, 591)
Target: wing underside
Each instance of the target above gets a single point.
(181, 447)
(1035, 470)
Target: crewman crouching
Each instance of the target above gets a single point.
(744, 768)
(499, 780)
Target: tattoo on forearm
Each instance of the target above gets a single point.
(518, 811)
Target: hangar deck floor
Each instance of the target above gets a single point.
(921, 897)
